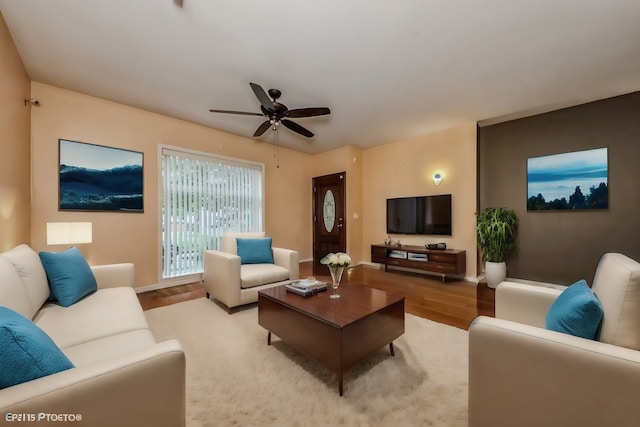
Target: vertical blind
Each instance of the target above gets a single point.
(204, 197)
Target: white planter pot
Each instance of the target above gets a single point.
(495, 272)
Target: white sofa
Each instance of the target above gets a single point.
(521, 374)
(122, 377)
(235, 284)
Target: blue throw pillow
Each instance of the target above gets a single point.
(69, 275)
(576, 311)
(27, 352)
(255, 251)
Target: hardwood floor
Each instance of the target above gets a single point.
(173, 295)
(454, 302)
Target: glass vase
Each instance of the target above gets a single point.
(336, 276)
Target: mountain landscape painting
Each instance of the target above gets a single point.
(99, 178)
(568, 181)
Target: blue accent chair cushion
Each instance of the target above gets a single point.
(255, 251)
(69, 275)
(26, 352)
(576, 311)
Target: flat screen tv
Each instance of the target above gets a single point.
(429, 215)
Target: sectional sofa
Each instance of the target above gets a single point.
(119, 374)
(524, 372)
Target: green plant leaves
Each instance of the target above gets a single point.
(496, 230)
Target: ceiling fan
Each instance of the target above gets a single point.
(278, 113)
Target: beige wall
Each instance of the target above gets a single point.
(396, 169)
(14, 137)
(129, 237)
(406, 168)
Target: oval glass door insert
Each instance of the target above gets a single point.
(329, 210)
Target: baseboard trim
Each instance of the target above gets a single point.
(370, 264)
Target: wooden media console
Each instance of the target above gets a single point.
(452, 262)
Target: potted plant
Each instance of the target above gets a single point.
(496, 230)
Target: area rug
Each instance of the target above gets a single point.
(235, 379)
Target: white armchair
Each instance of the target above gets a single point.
(232, 283)
(521, 374)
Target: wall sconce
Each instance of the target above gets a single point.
(437, 178)
(69, 233)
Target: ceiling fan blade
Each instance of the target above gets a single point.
(262, 129)
(245, 113)
(297, 128)
(262, 96)
(308, 112)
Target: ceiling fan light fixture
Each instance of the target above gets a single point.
(277, 112)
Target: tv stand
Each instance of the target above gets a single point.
(444, 261)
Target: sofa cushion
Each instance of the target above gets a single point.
(109, 347)
(255, 251)
(229, 244)
(617, 285)
(13, 293)
(69, 275)
(27, 352)
(252, 275)
(27, 263)
(104, 313)
(576, 311)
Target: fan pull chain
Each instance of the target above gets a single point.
(275, 147)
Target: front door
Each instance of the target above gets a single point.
(329, 225)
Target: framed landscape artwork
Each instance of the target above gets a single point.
(98, 178)
(569, 181)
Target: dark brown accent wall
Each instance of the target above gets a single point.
(563, 247)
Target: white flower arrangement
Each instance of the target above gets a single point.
(339, 259)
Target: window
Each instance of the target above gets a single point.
(202, 197)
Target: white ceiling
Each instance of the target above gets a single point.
(388, 70)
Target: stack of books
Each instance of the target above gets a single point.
(306, 288)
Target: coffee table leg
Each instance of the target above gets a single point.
(393, 353)
(269, 339)
(340, 385)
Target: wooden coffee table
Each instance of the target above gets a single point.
(337, 333)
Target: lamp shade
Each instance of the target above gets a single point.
(68, 233)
